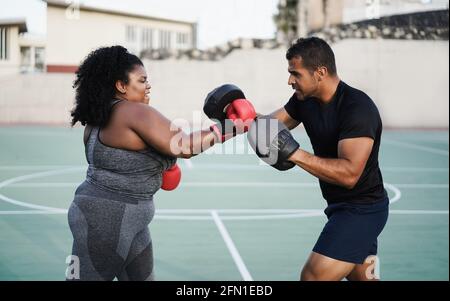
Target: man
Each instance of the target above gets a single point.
(345, 128)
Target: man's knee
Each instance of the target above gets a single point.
(308, 274)
(323, 268)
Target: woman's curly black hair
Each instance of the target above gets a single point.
(95, 83)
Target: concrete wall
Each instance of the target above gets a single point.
(36, 98)
(408, 80)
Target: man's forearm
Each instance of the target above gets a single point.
(334, 171)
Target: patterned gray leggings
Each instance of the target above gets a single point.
(111, 239)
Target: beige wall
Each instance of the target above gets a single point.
(70, 40)
(408, 80)
(11, 66)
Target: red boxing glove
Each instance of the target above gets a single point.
(242, 113)
(171, 178)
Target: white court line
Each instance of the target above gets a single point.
(11, 181)
(274, 216)
(185, 184)
(17, 212)
(29, 205)
(242, 217)
(32, 176)
(422, 186)
(63, 171)
(38, 175)
(248, 184)
(397, 193)
(36, 133)
(38, 167)
(290, 213)
(207, 166)
(44, 184)
(227, 184)
(184, 217)
(231, 247)
(169, 216)
(188, 163)
(414, 169)
(428, 138)
(418, 147)
(234, 211)
(419, 212)
(312, 213)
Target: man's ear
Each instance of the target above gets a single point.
(121, 87)
(321, 72)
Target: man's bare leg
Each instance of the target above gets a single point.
(323, 268)
(366, 271)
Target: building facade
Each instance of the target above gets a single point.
(317, 14)
(75, 30)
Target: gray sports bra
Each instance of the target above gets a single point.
(133, 173)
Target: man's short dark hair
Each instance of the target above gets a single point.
(314, 52)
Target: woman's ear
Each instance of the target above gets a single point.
(121, 87)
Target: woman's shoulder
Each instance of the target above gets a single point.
(132, 112)
(130, 107)
(132, 115)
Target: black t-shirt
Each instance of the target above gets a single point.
(350, 114)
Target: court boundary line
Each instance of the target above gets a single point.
(287, 213)
(10, 181)
(231, 247)
(189, 165)
(228, 184)
(293, 214)
(69, 170)
(415, 146)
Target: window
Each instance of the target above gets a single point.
(130, 33)
(165, 38)
(25, 55)
(182, 39)
(4, 43)
(147, 38)
(39, 60)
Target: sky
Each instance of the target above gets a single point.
(218, 20)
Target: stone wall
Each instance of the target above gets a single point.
(431, 25)
(212, 54)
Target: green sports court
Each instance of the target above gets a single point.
(231, 218)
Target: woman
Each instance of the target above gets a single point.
(128, 145)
